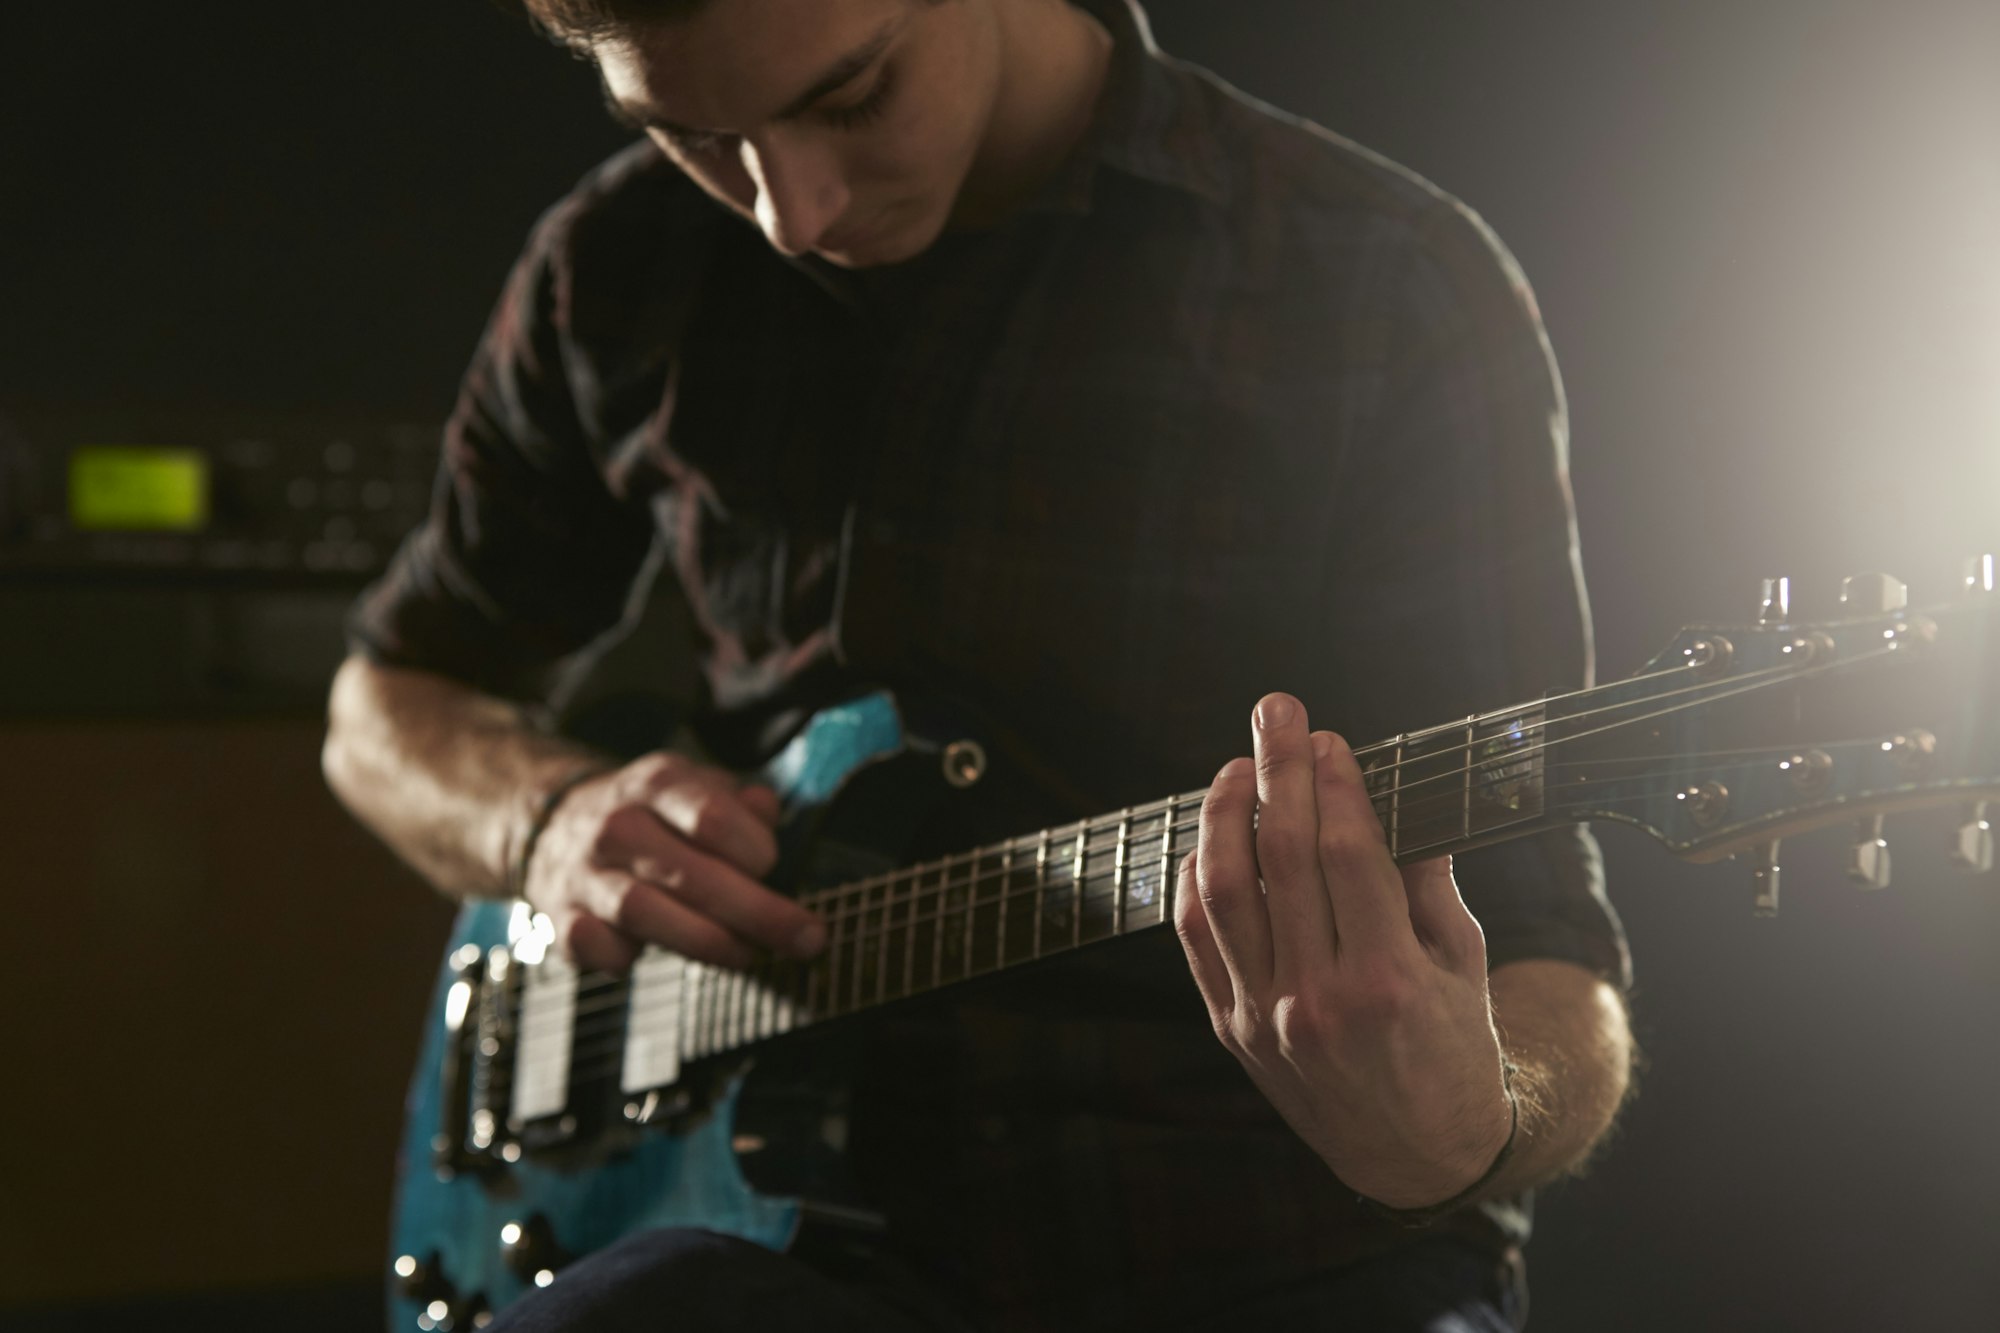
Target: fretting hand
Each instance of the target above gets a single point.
(1353, 992)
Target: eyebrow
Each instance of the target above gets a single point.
(837, 76)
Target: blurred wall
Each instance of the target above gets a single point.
(1766, 238)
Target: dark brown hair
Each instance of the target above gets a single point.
(573, 21)
(585, 20)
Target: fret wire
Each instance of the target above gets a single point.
(1169, 873)
(1396, 799)
(937, 935)
(1076, 886)
(1471, 740)
(882, 953)
(860, 948)
(910, 942)
(833, 965)
(971, 896)
(1041, 885)
(1119, 877)
(865, 935)
(1006, 888)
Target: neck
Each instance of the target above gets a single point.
(1053, 61)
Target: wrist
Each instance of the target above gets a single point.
(1428, 1213)
(543, 803)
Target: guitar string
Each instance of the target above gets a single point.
(728, 1005)
(1146, 836)
(1065, 836)
(882, 918)
(720, 1014)
(737, 981)
(723, 1026)
(1413, 811)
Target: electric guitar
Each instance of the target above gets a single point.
(554, 1110)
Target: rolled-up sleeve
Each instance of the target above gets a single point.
(525, 557)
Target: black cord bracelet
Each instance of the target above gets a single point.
(545, 810)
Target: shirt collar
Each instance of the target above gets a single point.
(1150, 121)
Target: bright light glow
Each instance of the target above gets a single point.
(533, 946)
(437, 1310)
(543, 1278)
(510, 1234)
(406, 1265)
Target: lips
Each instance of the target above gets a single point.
(845, 242)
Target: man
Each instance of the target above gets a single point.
(1059, 376)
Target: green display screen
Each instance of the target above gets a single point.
(138, 490)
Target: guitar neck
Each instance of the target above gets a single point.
(890, 937)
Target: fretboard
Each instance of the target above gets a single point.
(902, 934)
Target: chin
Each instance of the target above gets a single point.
(891, 245)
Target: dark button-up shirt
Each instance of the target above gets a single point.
(1235, 405)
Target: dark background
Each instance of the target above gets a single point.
(1766, 239)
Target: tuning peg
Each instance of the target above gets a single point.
(1764, 878)
(1868, 863)
(1973, 851)
(1775, 602)
(1979, 576)
(1867, 594)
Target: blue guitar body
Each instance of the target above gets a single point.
(450, 1255)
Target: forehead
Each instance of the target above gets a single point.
(736, 63)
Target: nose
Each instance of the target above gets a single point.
(800, 190)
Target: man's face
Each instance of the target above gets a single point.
(840, 127)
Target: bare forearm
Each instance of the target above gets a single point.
(1566, 1033)
(446, 776)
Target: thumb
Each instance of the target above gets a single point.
(1439, 914)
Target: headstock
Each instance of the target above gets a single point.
(1738, 736)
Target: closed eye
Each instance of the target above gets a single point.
(699, 143)
(869, 108)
